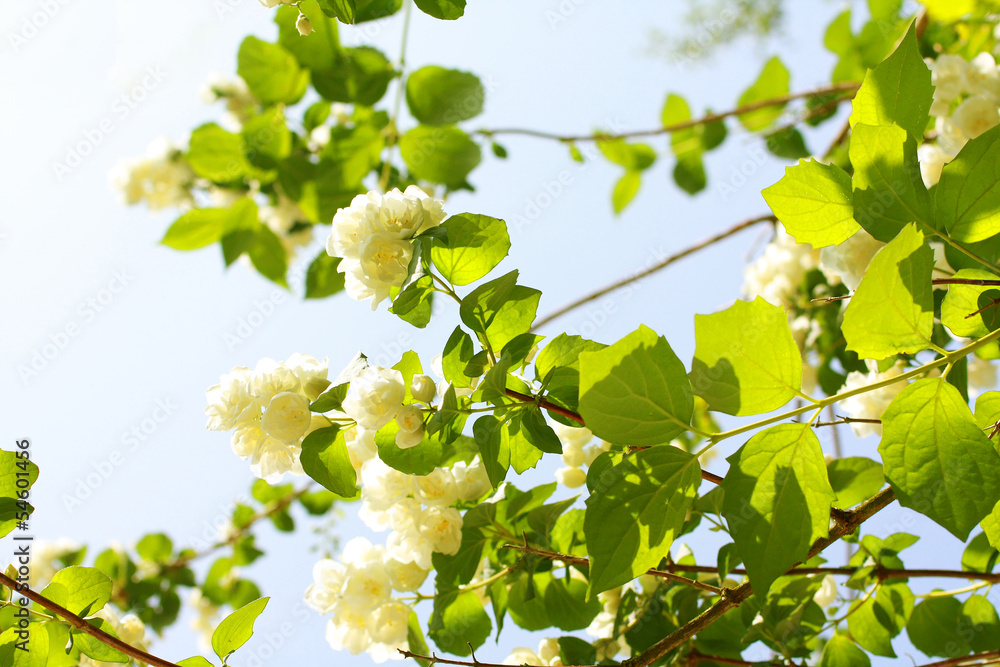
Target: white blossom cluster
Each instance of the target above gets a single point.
(603, 625)
(870, 404)
(777, 274)
(44, 559)
(966, 103)
(206, 619)
(268, 410)
(846, 263)
(375, 398)
(373, 238)
(129, 629)
(547, 654)
(577, 453)
(162, 178)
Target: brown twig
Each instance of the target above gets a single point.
(984, 658)
(653, 269)
(83, 626)
(848, 420)
(666, 129)
(733, 597)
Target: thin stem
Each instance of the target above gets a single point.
(446, 288)
(955, 591)
(666, 129)
(653, 269)
(84, 626)
(547, 405)
(984, 658)
(390, 141)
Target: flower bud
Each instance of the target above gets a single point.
(303, 25)
(423, 388)
(571, 477)
(410, 418)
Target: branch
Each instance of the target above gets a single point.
(733, 597)
(653, 269)
(984, 658)
(84, 626)
(847, 86)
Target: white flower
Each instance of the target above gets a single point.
(407, 439)
(423, 388)
(311, 374)
(848, 261)
(571, 436)
(374, 397)
(406, 577)
(949, 76)
(287, 417)
(372, 236)
(442, 527)
(976, 115)
(438, 489)
(522, 655)
(129, 629)
(950, 137)
(348, 630)
(273, 458)
(387, 626)
(328, 581)
(471, 479)
(870, 404)
(360, 445)
(590, 453)
(982, 374)
(205, 620)
(983, 76)
(932, 160)
(410, 418)
(777, 274)
(366, 586)
(303, 25)
(408, 545)
(162, 178)
(381, 486)
(240, 102)
(827, 592)
(571, 477)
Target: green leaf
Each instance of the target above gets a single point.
(414, 303)
(331, 399)
(555, 603)
(892, 310)
(777, 500)
(934, 628)
(81, 590)
(772, 83)
(271, 72)
(787, 143)
(360, 75)
(969, 188)
(635, 511)
(456, 356)
(440, 154)
(746, 361)
(888, 192)
(266, 139)
(500, 310)
(324, 458)
(459, 620)
(898, 91)
(874, 621)
(842, 652)
(268, 255)
(448, 10)
(420, 459)
(217, 155)
(13, 468)
(155, 547)
(95, 648)
(197, 228)
(625, 190)
(415, 639)
(37, 648)
(322, 278)
(342, 10)
(475, 245)
(979, 555)
(439, 96)
(563, 351)
(972, 310)
(934, 453)
(815, 203)
(195, 661)
(854, 479)
(237, 628)
(636, 391)
(979, 624)
(634, 157)
(539, 433)
(689, 173)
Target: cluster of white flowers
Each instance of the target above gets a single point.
(357, 592)
(577, 453)
(870, 404)
(129, 629)
(373, 238)
(966, 103)
(603, 626)
(375, 397)
(269, 410)
(240, 102)
(206, 618)
(546, 656)
(418, 509)
(846, 263)
(778, 273)
(162, 178)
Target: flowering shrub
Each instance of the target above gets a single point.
(875, 297)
